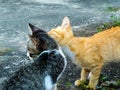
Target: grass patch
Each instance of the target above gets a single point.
(4, 50)
(68, 84)
(118, 82)
(115, 21)
(112, 9)
(105, 84)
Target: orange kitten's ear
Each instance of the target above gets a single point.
(65, 23)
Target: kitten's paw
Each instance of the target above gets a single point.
(89, 88)
(78, 82)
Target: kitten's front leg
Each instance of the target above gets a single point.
(95, 73)
(84, 75)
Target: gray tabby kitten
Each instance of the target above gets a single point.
(39, 41)
(42, 74)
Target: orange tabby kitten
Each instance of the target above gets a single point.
(91, 53)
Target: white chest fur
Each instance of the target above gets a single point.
(68, 52)
(71, 56)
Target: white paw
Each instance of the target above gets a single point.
(77, 83)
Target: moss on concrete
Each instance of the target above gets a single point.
(4, 50)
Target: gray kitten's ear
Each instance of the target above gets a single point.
(34, 29)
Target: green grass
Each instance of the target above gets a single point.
(4, 50)
(68, 84)
(112, 9)
(118, 82)
(102, 82)
(115, 21)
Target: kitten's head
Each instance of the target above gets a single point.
(63, 33)
(39, 41)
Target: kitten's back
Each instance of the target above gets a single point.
(50, 63)
(108, 43)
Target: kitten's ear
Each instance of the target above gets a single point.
(65, 23)
(33, 29)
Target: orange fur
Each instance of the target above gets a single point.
(89, 52)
